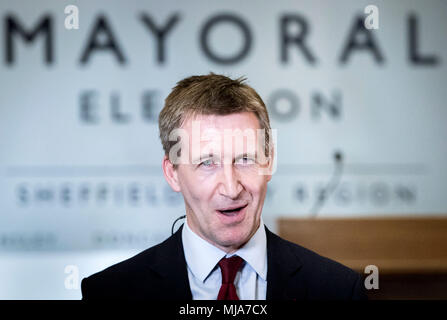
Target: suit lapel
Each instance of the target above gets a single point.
(171, 265)
(283, 266)
(282, 263)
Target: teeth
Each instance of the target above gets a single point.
(230, 213)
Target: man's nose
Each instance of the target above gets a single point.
(230, 185)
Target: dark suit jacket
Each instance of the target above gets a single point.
(160, 273)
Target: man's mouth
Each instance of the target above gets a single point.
(231, 211)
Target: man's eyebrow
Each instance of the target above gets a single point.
(203, 156)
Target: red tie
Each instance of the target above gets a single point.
(229, 268)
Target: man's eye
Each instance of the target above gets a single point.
(245, 160)
(207, 163)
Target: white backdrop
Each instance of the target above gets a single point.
(80, 176)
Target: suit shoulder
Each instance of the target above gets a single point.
(116, 280)
(325, 278)
(131, 264)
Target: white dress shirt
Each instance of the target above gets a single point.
(204, 274)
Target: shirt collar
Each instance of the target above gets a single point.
(201, 256)
(254, 252)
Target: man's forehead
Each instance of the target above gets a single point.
(213, 134)
(241, 120)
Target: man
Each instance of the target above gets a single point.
(218, 147)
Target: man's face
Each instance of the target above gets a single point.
(222, 183)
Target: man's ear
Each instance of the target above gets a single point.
(171, 174)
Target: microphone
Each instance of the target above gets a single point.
(179, 218)
(331, 186)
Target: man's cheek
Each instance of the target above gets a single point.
(256, 183)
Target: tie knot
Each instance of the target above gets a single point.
(229, 268)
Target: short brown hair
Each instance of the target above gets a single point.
(211, 94)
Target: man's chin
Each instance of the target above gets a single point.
(233, 241)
